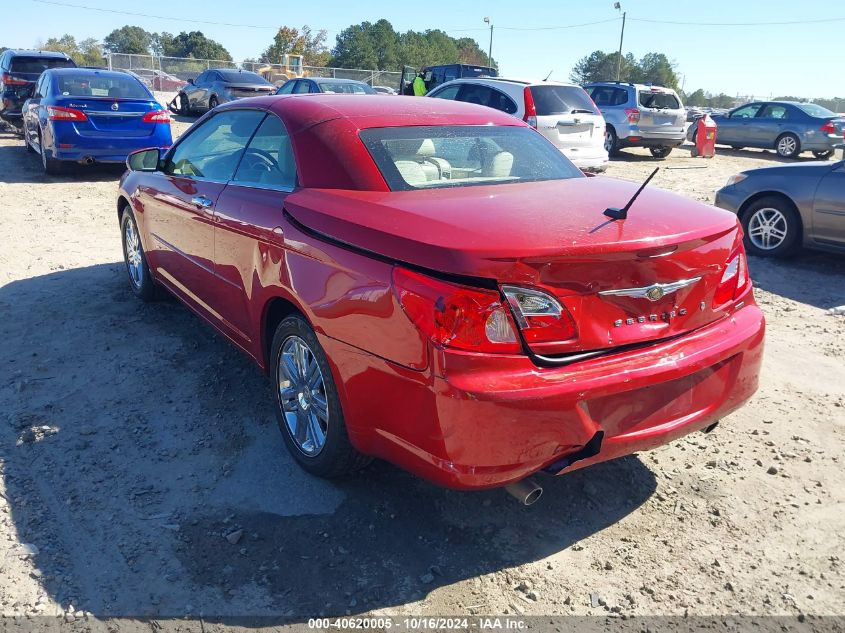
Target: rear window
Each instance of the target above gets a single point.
(241, 77)
(344, 88)
(561, 100)
(433, 157)
(111, 87)
(38, 64)
(661, 100)
(815, 110)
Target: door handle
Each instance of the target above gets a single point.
(201, 202)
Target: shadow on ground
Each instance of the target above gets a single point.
(135, 439)
(685, 151)
(789, 277)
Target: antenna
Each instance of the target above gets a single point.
(549, 75)
(622, 214)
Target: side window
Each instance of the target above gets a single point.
(774, 111)
(301, 87)
(214, 149)
(746, 112)
(501, 101)
(286, 88)
(39, 87)
(473, 93)
(268, 159)
(201, 79)
(450, 92)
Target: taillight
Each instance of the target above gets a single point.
(156, 116)
(530, 109)
(829, 128)
(734, 279)
(455, 316)
(540, 317)
(633, 115)
(58, 113)
(9, 80)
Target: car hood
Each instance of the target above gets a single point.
(507, 231)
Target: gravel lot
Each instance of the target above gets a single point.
(142, 474)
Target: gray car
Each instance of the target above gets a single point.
(640, 115)
(785, 126)
(220, 85)
(328, 85)
(782, 208)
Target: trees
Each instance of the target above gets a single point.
(84, 53)
(378, 45)
(311, 45)
(129, 39)
(193, 44)
(651, 68)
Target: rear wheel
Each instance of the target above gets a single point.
(788, 145)
(213, 102)
(307, 404)
(184, 104)
(611, 142)
(51, 166)
(772, 227)
(27, 144)
(660, 152)
(823, 155)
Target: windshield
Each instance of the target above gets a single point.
(242, 77)
(345, 88)
(39, 64)
(815, 110)
(561, 100)
(661, 100)
(431, 157)
(91, 85)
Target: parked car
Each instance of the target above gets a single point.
(19, 70)
(785, 126)
(563, 113)
(385, 90)
(640, 115)
(159, 80)
(788, 206)
(86, 116)
(306, 85)
(433, 76)
(220, 85)
(434, 284)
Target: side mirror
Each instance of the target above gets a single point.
(191, 80)
(144, 160)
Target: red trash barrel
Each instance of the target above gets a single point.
(705, 137)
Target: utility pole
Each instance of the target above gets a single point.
(618, 7)
(490, 49)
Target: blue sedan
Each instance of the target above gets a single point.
(85, 116)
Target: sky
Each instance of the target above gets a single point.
(747, 58)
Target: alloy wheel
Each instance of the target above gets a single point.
(767, 228)
(608, 142)
(134, 255)
(302, 393)
(787, 146)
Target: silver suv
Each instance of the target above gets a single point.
(639, 115)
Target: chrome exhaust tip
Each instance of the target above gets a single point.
(88, 160)
(527, 492)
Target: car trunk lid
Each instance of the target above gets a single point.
(660, 112)
(240, 91)
(551, 236)
(110, 117)
(567, 116)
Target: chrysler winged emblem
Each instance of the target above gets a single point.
(654, 292)
(115, 106)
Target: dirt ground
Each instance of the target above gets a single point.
(142, 474)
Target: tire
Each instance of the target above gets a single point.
(140, 279)
(737, 147)
(213, 102)
(779, 215)
(51, 166)
(611, 141)
(824, 155)
(788, 145)
(319, 444)
(660, 152)
(26, 144)
(184, 104)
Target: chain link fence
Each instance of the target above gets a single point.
(165, 73)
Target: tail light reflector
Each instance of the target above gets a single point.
(455, 316)
(11, 80)
(156, 116)
(540, 317)
(829, 128)
(530, 109)
(58, 113)
(734, 280)
(633, 115)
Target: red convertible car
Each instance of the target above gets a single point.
(433, 283)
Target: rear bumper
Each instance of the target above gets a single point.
(481, 421)
(68, 145)
(588, 162)
(635, 140)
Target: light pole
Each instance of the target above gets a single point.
(618, 7)
(490, 50)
